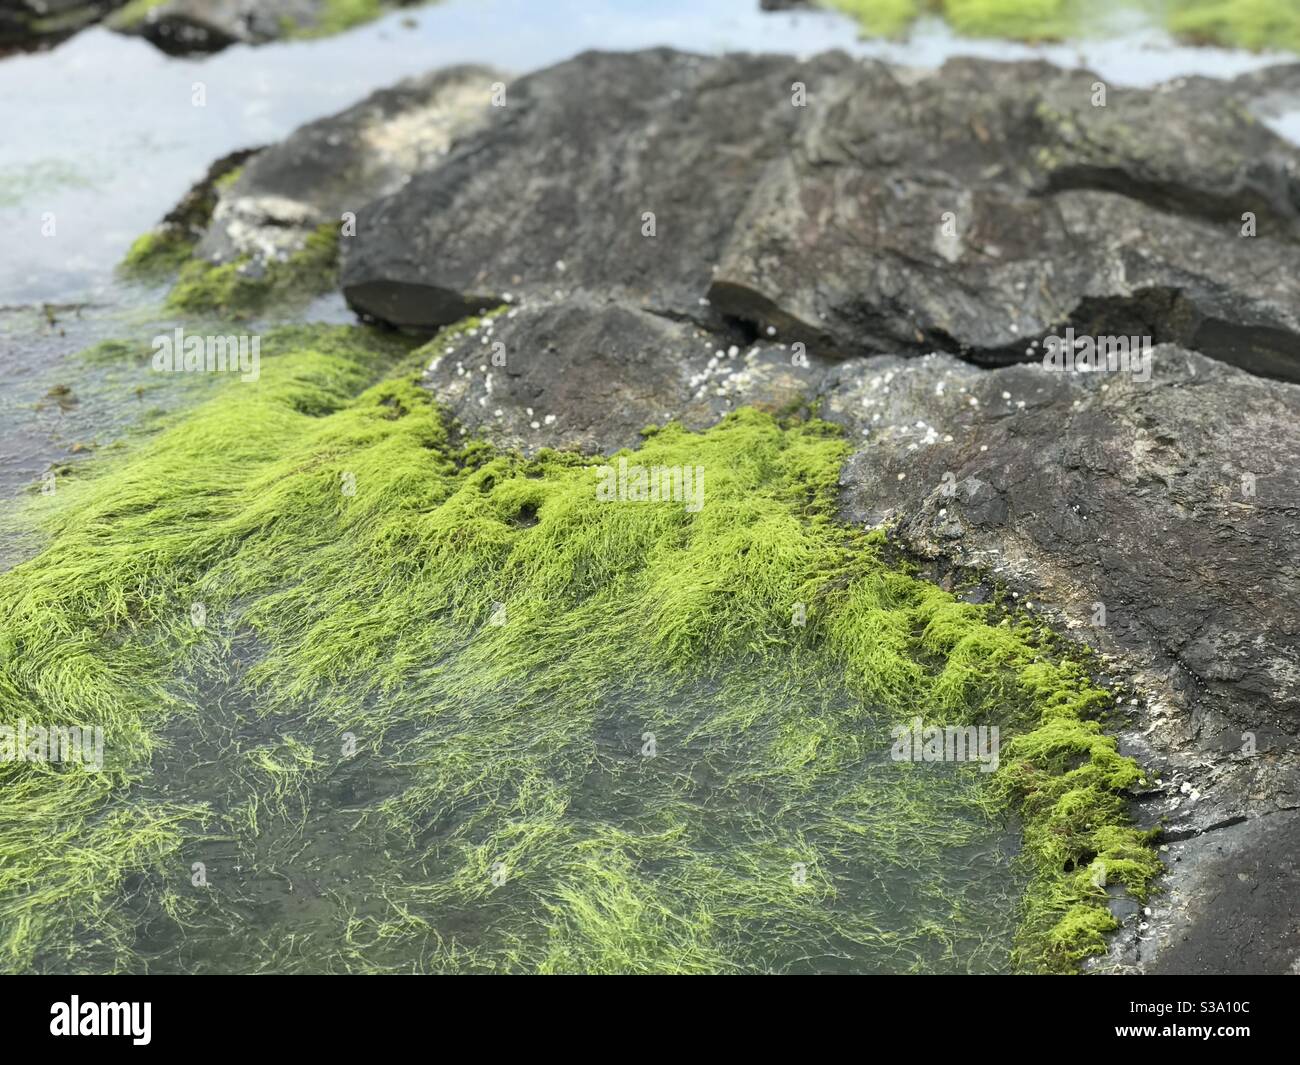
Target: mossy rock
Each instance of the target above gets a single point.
(468, 617)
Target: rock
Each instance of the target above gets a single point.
(1172, 505)
(40, 23)
(562, 186)
(1121, 905)
(1229, 908)
(587, 375)
(975, 209)
(184, 27)
(1153, 499)
(173, 240)
(988, 206)
(276, 214)
(342, 162)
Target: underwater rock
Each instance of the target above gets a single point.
(859, 207)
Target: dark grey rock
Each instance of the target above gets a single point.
(1230, 907)
(554, 191)
(589, 375)
(261, 205)
(974, 209)
(1119, 219)
(341, 163)
(29, 24)
(1088, 490)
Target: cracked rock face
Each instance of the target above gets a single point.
(623, 172)
(861, 208)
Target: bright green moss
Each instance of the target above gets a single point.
(158, 252)
(132, 14)
(1253, 24)
(241, 288)
(498, 644)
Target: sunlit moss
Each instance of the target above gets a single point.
(242, 288)
(1253, 24)
(496, 645)
(158, 252)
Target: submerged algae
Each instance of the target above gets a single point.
(498, 645)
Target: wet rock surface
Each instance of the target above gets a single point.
(580, 373)
(624, 171)
(1226, 907)
(262, 205)
(1151, 521)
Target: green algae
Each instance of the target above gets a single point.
(498, 645)
(243, 288)
(1252, 24)
(158, 252)
(167, 247)
(132, 14)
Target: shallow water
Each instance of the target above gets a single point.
(875, 867)
(101, 134)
